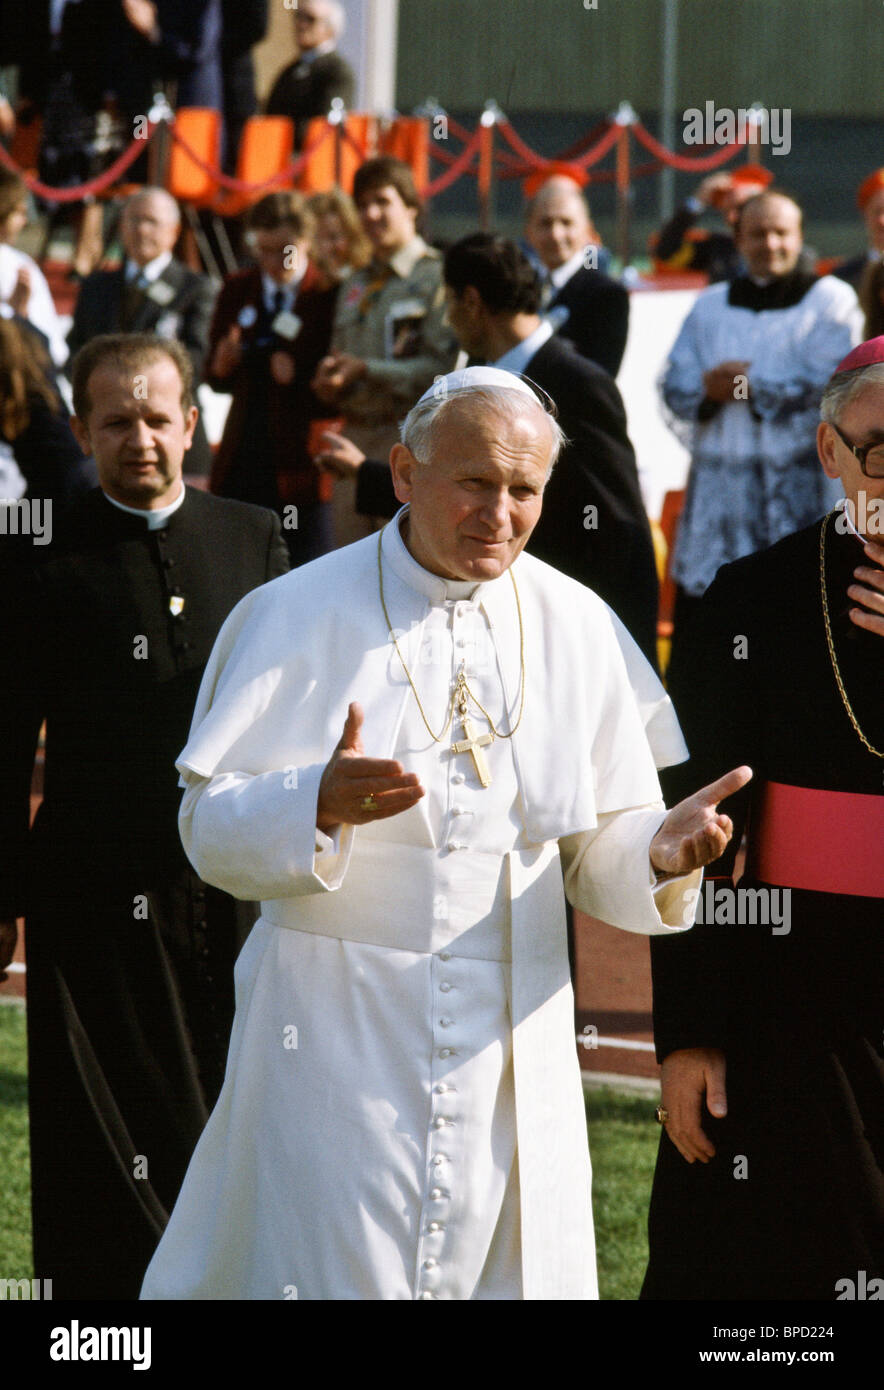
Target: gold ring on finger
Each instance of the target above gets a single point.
(368, 803)
(661, 1115)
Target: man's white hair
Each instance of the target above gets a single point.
(506, 403)
(164, 196)
(844, 387)
(334, 15)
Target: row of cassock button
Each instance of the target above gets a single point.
(434, 1229)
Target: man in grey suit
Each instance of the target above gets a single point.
(152, 292)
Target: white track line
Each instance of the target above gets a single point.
(629, 1043)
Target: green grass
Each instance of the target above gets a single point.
(623, 1143)
(15, 1216)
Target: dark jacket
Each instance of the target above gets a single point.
(181, 307)
(268, 424)
(303, 90)
(598, 317)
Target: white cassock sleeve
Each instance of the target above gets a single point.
(608, 874)
(256, 836)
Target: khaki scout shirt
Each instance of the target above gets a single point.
(398, 331)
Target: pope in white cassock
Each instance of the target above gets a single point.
(402, 1114)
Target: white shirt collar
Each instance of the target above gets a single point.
(155, 520)
(562, 273)
(518, 357)
(397, 556)
(152, 271)
(290, 289)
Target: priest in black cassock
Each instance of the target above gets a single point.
(129, 956)
(769, 1014)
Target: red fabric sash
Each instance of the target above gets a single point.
(825, 842)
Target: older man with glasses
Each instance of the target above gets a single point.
(769, 1014)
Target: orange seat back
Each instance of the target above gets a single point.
(200, 127)
(408, 138)
(327, 165)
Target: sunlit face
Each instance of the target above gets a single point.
(311, 25)
(137, 432)
(280, 253)
(148, 228)
(769, 237)
(475, 501)
(873, 216)
(559, 226)
(14, 224)
(389, 223)
(332, 241)
(862, 422)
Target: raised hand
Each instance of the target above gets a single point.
(868, 591)
(350, 778)
(693, 833)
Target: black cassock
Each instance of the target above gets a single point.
(129, 955)
(793, 1202)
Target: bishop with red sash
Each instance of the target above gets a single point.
(769, 1014)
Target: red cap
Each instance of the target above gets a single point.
(872, 350)
(554, 170)
(752, 173)
(868, 188)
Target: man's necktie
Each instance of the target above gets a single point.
(133, 298)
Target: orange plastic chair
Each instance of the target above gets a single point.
(325, 168)
(200, 126)
(266, 147)
(408, 138)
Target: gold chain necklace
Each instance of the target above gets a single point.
(840, 683)
(461, 693)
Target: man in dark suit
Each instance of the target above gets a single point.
(271, 329)
(308, 86)
(152, 292)
(130, 957)
(593, 525)
(589, 308)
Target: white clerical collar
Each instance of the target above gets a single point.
(517, 358)
(397, 556)
(562, 273)
(155, 520)
(149, 272)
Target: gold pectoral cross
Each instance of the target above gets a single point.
(472, 743)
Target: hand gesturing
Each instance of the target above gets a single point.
(693, 833)
(350, 777)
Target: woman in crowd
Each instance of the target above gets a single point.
(340, 246)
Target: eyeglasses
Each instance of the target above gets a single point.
(870, 458)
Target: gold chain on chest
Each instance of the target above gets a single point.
(831, 645)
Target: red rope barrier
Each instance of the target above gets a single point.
(80, 191)
(458, 167)
(686, 163)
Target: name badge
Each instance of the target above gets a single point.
(286, 325)
(167, 325)
(161, 293)
(247, 316)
